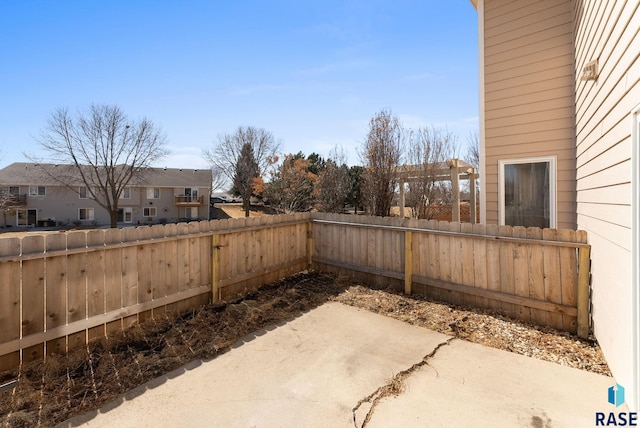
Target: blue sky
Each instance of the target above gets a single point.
(311, 72)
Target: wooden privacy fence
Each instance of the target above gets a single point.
(532, 274)
(60, 290)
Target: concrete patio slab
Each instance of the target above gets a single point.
(314, 370)
(466, 384)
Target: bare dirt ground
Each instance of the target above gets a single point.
(52, 391)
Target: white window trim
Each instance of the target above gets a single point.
(124, 192)
(87, 194)
(93, 214)
(553, 206)
(150, 208)
(37, 194)
(153, 191)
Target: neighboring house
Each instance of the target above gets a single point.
(162, 195)
(559, 130)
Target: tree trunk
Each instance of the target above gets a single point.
(246, 204)
(114, 218)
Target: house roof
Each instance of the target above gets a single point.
(31, 174)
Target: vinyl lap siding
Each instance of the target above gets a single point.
(609, 32)
(529, 98)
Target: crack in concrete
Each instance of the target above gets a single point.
(394, 387)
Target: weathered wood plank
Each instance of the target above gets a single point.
(113, 277)
(493, 265)
(521, 273)
(10, 302)
(568, 277)
(467, 263)
(536, 275)
(56, 298)
(507, 282)
(480, 277)
(77, 286)
(95, 280)
(552, 286)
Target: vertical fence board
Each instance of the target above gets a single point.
(521, 273)
(455, 252)
(158, 267)
(76, 286)
(493, 265)
(33, 295)
(444, 253)
(95, 280)
(507, 282)
(552, 285)
(536, 275)
(145, 268)
(56, 283)
(467, 263)
(10, 301)
(130, 275)
(433, 255)
(568, 277)
(113, 277)
(480, 276)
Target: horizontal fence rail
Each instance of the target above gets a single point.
(535, 275)
(60, 290)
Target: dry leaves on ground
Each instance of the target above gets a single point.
(52, 391)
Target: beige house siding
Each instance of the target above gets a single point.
(528, 94)
(608, 31)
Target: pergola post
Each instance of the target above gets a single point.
(472, 196)
(401, 198)
(455, 190)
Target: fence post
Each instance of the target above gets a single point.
(408, 262)
(310, 244)
(215, 267)
(583, 291)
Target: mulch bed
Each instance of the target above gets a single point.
(52, 391)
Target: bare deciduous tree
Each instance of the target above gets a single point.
(381, 155)
(246, 172)
(473, 150)
(333, 184)
(224, 156)
(8, 204)
(429, 149)
(107, 149)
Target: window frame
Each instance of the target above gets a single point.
(87, 193)
(553, 185)
(86, 210)
(152, 191)
(146, 211)
(37, 192)
(126, 193)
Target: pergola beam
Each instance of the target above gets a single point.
(451, 171)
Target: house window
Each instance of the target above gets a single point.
(149, 211)
(126, 193)
(84, 193)
(14, 190)
(85, 214)
(527, 192)
(153, 193)
(37, 191)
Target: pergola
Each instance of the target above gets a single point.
(451, 170)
